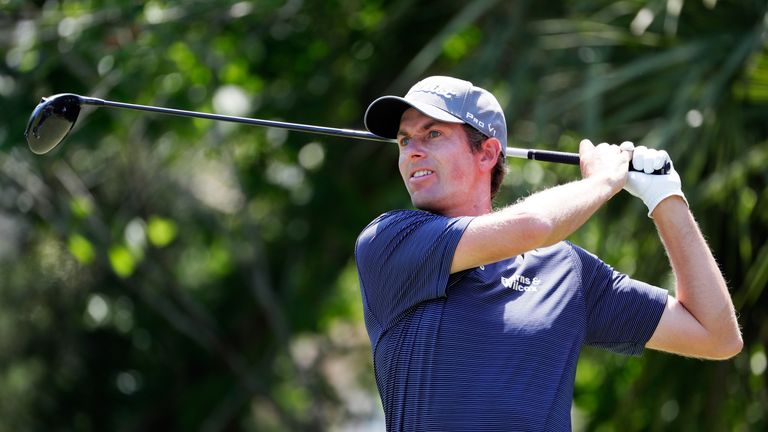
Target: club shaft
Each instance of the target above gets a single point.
(540, 155)
(349, 133)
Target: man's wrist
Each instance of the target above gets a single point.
(671, 205)
(605, 186)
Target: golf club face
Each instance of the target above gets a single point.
(51, 121)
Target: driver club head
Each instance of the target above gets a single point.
(51, 121)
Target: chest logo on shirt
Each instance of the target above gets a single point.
(521, 283)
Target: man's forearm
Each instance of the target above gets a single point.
(539, 220)
(545, 217)
(699, 284)
(567, 207)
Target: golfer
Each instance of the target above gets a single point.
(477, 315)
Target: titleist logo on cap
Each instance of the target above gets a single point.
(436, 89)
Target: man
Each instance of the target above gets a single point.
(477, 317)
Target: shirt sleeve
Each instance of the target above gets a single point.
(404, 258)
(622, 313)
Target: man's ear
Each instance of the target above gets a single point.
(489, 153)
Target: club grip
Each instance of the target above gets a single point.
(554, 156)
(573, 159)
(661, 171)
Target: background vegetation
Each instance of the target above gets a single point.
(162, 273)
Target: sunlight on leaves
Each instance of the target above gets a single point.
(161, 231)
(81, 207)
(122, 261)
(81, 248)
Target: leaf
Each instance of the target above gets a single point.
(161, 231)
(122, 261)
(81, 248)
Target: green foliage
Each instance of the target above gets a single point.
(177, 274)
(161, 231)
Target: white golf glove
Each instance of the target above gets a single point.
(652, 189)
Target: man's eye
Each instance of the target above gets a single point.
(404, 141)
(434, 134)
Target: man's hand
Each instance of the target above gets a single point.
(604, 161)
(652, 189)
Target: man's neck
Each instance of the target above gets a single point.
(469, 209)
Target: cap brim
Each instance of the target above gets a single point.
(383, 115)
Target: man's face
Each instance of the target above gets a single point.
(438, 168)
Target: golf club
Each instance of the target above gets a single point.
(54, 117)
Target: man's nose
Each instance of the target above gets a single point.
(414, 149)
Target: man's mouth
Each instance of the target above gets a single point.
(421, 173)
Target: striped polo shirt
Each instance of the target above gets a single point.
(493, 347)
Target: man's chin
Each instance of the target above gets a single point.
(425, 205)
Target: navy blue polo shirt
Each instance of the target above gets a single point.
(493, 347)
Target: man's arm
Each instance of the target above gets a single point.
(546, 217)
(700, 320)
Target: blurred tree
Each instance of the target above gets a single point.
(177, 274)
